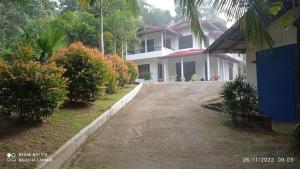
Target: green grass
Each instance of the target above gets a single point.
(54, 132)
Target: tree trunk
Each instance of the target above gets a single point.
(122, 50)
(101, 41)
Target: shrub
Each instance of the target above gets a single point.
(132, 71)
(120, 68)
(239, 96)
(24, 53)
(173, 78)
(194, 77)
(86, 69)
(146, 75)
(30, 91)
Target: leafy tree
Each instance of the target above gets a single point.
(101, 5)
(15, 13)
(121, 31)
(79, 26)
(154, 16)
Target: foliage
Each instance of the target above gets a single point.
(132, 70)
(50, 41)
(24, 53)
(173, 77)
(146, 75)
(86, 70)
(239, 96)
(13, 14)
(79, 26)
(194, 77)
(30, 91)
(154, 16)
(120, 67)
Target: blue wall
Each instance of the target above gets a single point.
(276, 83)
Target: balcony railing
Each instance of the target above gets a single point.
(142, 50)
(149, 49)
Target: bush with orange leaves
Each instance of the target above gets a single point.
(86, 69)
(132, 70)
(120, 67)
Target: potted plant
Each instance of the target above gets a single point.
(173, 78)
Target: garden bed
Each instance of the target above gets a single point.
(48, 136)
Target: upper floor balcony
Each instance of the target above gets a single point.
(152, 52)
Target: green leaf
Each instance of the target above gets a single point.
(286, 21)
(275, 8)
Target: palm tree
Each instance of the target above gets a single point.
(130, 5)
(188, 7)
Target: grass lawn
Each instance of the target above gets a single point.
(47, 137)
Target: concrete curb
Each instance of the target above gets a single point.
(68, 149)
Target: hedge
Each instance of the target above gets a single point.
(30, 91)
(86, 70)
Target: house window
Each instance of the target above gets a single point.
(150, 46)
(186, 42)
(143, 69)
(167, 43)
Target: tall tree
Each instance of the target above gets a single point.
(154, 16)
(130, 5)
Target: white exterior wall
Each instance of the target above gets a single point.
(280, 36)
(199, 64)
(153, 67)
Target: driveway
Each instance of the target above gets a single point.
(165, 127)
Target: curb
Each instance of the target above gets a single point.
(71, 146)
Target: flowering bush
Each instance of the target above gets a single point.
(86, 69)
(132, 71)
(30, 91)
(120, 67)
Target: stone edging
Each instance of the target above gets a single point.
(69, 148)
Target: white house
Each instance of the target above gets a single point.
(174, 53)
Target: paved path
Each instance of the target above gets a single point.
(165, 127)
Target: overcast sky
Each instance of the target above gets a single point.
(169, 5)
(164, 4)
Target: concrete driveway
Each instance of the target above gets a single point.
(165, 127)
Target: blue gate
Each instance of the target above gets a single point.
(276, 83)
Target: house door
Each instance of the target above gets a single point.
(276, 82)
(189, 69)
(160, 72)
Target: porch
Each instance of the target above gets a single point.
(203, 67)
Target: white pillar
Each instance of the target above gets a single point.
(162, 39)
(218, 68)
(146, 44)
(182, 70)
(165, 70)
(208, 67)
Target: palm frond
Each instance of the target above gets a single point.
(190, 10)
(254, 16)
(133, 7)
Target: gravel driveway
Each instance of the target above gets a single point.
(165, 127)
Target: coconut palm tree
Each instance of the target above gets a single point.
(188, 7)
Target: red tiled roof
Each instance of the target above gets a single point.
(185, 53)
